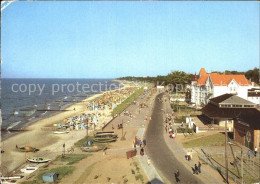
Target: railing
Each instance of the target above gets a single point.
(251, 166)
(221, 170)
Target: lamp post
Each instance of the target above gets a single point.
(226, 159)
(242, 161)
(122, 128)
(87, 131)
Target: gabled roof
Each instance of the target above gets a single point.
(202, 80)
(221, 80)
(224, 80)
(202, 72)
(236, 100)
(230, 99)
(221, 98)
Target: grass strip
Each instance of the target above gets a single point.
(121, 107)
(207, 141)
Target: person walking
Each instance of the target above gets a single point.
(144, 142)
(196, 169)
(142, 151)
(177, 175)
(248, 154)
(199, 167)
(140, 143)
(191, 155)
(255, 151)
(193, 170)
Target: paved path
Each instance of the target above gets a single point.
(163, 159)
(149, 170)
(146, 164)
(208, 174)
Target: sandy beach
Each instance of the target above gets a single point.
(50, 144)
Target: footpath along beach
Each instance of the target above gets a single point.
(40, 134)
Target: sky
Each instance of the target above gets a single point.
(78, 39)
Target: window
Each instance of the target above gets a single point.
(248, 106)
(238, 105)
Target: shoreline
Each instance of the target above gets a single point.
(67, 108)
(48, 143)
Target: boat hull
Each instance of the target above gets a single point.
(38, 160)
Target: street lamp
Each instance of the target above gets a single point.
(231, 143)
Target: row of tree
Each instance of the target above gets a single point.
(180, 77)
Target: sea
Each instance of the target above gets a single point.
(25, 101)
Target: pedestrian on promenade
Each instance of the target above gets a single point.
(148, 161)
(144, 142)
(193, 170)
(171, 135)
(112, 127)
(166, 128)
(142, 151)
(187, 156)
(134, 145)
(191, 155)
(196, 169)
(170, 130)
(199, 167)
(136, 140)
(248, 154)
(177, 175)
(140, 143)
(255, 151)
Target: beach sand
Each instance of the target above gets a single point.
(50, 144)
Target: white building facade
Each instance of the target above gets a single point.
(211, 85)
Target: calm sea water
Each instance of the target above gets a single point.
(19, 108)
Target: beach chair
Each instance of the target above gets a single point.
(60, 126)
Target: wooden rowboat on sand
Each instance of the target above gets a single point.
(38, 159)
(104, 140)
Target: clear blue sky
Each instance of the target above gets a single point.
(114, 39)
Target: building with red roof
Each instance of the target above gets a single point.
(211, 85)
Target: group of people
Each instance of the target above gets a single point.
(128, 113)
(249, 152)
(81, 121)
(110, 99)
(197, 168)
(168, 127)
(140, 143)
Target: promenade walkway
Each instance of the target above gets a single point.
(208, 175)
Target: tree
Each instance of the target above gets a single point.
(253, 75)
(178, 77)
